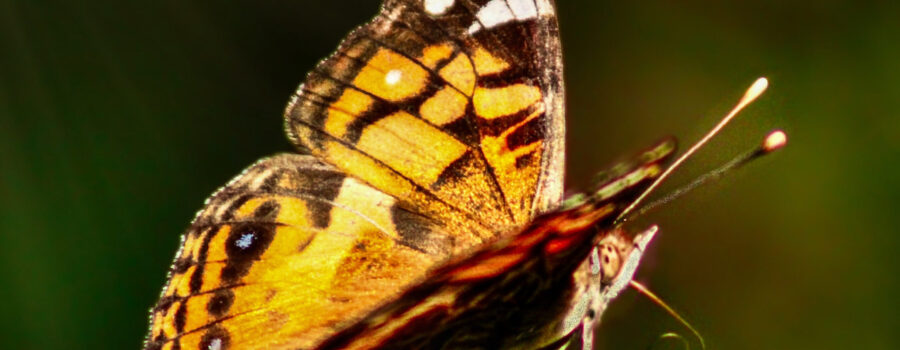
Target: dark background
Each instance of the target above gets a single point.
(118, 118)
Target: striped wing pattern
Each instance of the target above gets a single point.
(454, 109)
(287, 252)
(421, 211)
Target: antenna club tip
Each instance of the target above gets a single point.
(774, 141)
(759, 86)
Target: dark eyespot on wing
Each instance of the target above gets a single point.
(220, 302)
(245, 244)
(216, 338)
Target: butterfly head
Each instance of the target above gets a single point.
(618, 187)
(609, 255)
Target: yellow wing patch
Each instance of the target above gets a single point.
(508, 100)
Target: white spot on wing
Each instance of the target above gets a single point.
(438, 7)
(215, 344)
(497, 12)
(474, 28)
(522, 9)
(494, 13)
(393, 77)
(245, 241)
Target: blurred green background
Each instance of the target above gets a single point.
(118, 118)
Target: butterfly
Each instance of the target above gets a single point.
(424, 208)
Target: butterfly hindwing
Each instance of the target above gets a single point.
(286, 254)
(454, 107)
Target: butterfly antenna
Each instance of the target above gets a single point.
(755, 90)
(774, 141)
(658, 301)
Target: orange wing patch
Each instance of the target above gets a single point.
(445, 107)
(434, 54)
(343, 112)
(511, 121)
(407, 144)
(460, 74)
(487, 64)
(391, 76)
(515, 156)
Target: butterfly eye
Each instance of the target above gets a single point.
(610, 262)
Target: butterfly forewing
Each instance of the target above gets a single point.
(454, 109)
